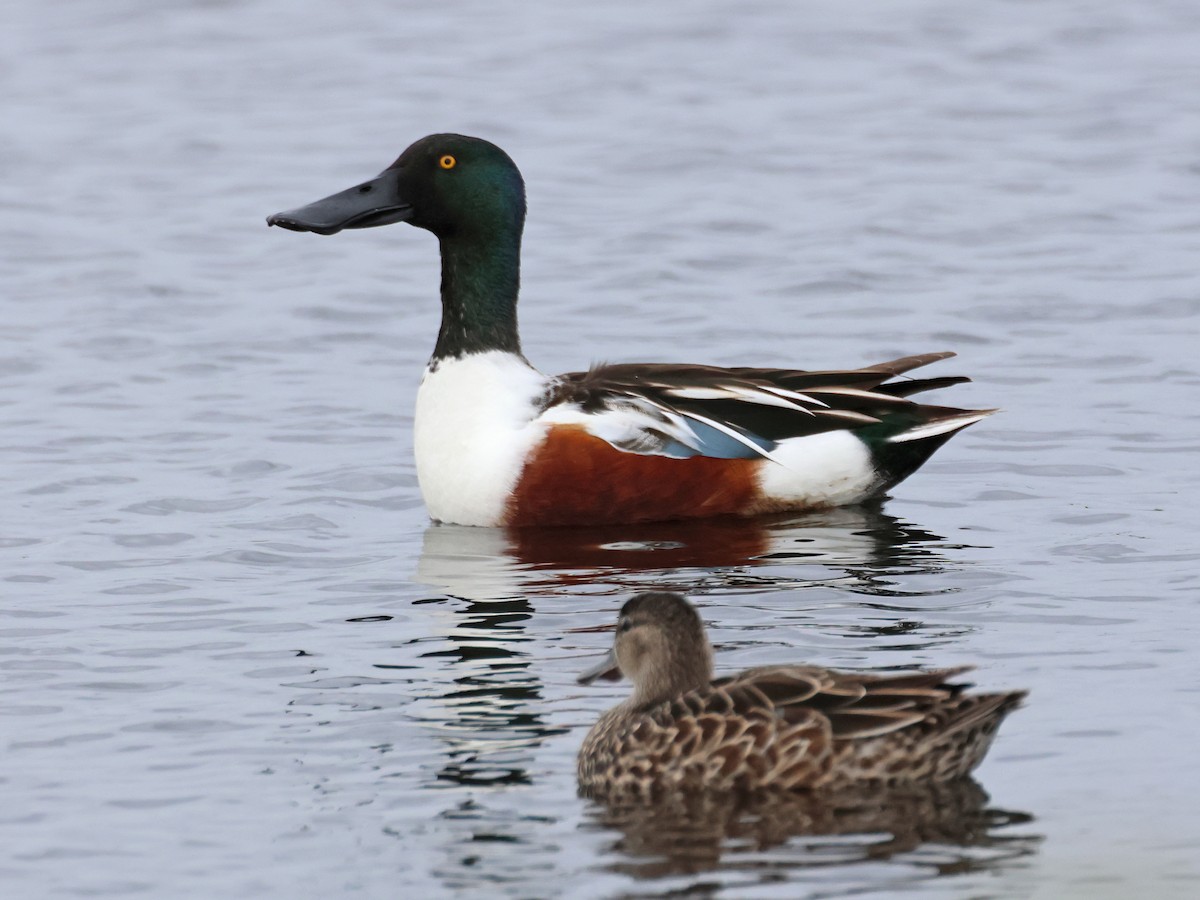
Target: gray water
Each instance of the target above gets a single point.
(237, 661)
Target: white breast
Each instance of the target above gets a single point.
(475, 425)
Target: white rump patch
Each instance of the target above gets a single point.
(829, 469)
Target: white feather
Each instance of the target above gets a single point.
(473, 429)
(855, 392)
(632, 423)
(794, 395)
(701, 393)
(939, 426)
(765, 398)
(762, 396)
(829, 469)
(855, 419)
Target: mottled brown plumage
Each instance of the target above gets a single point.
(772, 727)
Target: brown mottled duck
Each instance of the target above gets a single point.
(772, 727)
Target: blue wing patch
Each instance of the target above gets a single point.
(717, 444)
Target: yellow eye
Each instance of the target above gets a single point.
(447, 162)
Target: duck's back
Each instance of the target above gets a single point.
(644, 442)
(795, 728)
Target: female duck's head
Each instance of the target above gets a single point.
(450, 184)
(660, 646)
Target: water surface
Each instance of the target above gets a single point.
(236, 658)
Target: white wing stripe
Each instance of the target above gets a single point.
(794, 395)
(940, 426)
(856, 392)
(700, 393)
(762, 396)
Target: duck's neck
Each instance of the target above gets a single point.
(480, 280)
(673, 673)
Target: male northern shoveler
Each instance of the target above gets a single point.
(773, 727)
(499, 443)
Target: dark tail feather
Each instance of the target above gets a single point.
(908, 363)
(917, 385)
(904, 453)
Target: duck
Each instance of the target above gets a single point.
(498, 443)
(770, 728)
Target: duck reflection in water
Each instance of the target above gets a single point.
(949, 823)
(779, 750)
(858, 547)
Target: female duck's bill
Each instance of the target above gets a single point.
(794, 727)
(499, 443)
(608, 668)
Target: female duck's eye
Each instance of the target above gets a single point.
(624, 625)
(447, 162)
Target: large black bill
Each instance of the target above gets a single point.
(375, 202)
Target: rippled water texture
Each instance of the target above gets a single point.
(237, 661)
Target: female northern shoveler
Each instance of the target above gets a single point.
(774, 727)
(498, 443)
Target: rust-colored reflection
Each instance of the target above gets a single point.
(658, 545)
(846, 536)
(862, 544)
